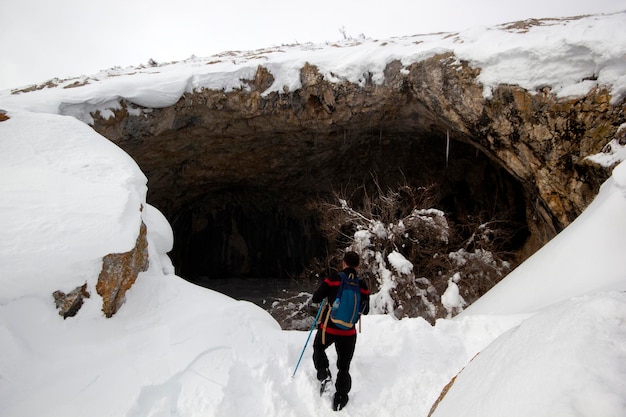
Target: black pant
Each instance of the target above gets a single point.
(344, 345)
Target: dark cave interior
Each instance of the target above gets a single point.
(262, 226)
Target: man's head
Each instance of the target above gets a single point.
(351, 259)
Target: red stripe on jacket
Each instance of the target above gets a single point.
(338, 283)
(338, 332)
(332, 283)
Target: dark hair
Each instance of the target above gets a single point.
(351, 259)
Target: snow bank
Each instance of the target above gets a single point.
(69, 197)
(568, 360)
(171, 350)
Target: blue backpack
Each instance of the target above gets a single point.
(345, 310)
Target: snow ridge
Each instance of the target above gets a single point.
(570, 56)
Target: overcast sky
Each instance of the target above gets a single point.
(43, 39)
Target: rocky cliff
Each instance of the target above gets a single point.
(234, 170)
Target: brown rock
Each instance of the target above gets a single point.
(119, 272)
(69, 304)
(442, 395)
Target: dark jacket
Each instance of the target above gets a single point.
(328, 289)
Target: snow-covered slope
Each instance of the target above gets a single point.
(567, 360)
(69, 197)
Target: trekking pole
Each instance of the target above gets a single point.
(309, 337)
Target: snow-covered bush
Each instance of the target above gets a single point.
(417, 262)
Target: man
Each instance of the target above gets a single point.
(329, 333)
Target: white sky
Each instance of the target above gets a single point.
(43, 39)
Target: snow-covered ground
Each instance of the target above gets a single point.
(552, 335)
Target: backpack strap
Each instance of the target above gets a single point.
(343, 278)
(325, 324)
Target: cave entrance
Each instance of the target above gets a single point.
(260, 225)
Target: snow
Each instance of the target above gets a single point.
(568, 360)
(551, 334)
(614, 151)
(451, 298)
(572, 56)
(400, 263)
(62, 199)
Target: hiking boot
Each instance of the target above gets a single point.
(325, 383)
(340, 401)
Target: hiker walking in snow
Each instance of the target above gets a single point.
(339, 330)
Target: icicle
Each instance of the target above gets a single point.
(447, 146)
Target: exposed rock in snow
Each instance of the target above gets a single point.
(119, 272)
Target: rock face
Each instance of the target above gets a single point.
(69, 304)
(231, 169)
(119, 272)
